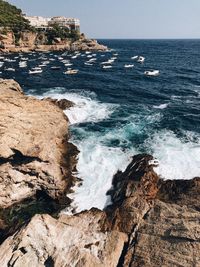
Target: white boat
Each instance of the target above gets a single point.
(107, 67)
(110, 61)
(89, 56)
(34, 71)
(9, 69)
(69, 72)
(68, 64)
(9, 60)
(135, 57)
(128, 66)
(152, 73)
(88, 64)
(36, 68)
(141, 59)
(56, 68)
(74, 57)
(92, 59)
(116, 54)
(88, 52)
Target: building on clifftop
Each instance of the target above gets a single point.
(45, 23)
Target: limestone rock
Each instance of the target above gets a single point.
(160, 217)
(35, 155)
(69, 241)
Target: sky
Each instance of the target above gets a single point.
(134, 19)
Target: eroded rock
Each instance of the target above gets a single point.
(64, 242)
(35, 155)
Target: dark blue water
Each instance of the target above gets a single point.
(121, 111)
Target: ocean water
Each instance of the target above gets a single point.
(120, 112)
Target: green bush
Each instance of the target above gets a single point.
(11, 17)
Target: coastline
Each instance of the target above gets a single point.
(29, 42)
(147, 216)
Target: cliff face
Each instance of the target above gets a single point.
(32, 41)
(151, 223)
(35, 155)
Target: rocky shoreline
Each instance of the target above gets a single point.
(151, 223)
(30, 41)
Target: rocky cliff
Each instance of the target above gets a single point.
(151, 223)
(38, 41)
(36, 158)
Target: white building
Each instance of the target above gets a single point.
(37, 21)
(71, 23)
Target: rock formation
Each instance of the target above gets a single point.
(151, 222)
(35, 155)
(145, 226)
(38, 41)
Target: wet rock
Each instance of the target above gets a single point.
(62, 103)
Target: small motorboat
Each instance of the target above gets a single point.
(34, 71)
(9, 69)
(36, 68)
(70, 72)
(135, 57)
(107, 67)
(88, 64)
(141, 59)
(128, 66)
(68, 64)
(56, 68)
(152, 73)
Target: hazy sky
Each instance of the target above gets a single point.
(124, 18)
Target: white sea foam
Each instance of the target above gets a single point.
(162, 106)
(178, 158)
(97, 163)
(87, 109)
(96, 166)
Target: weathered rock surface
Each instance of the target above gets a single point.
(66, 242)
(151, 223)
(32, 41)
(62, 103)
(35, 155)
(160, 217)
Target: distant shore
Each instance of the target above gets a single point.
(31, 41)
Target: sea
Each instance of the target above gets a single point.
(120, 111)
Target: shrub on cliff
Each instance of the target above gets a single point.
(61, 32)
(11, 17)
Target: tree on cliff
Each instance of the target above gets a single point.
(11, 17)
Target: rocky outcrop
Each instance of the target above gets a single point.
(151, 223)
(64, 242)
(38, 41)
(62, 103)
(35, 155)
